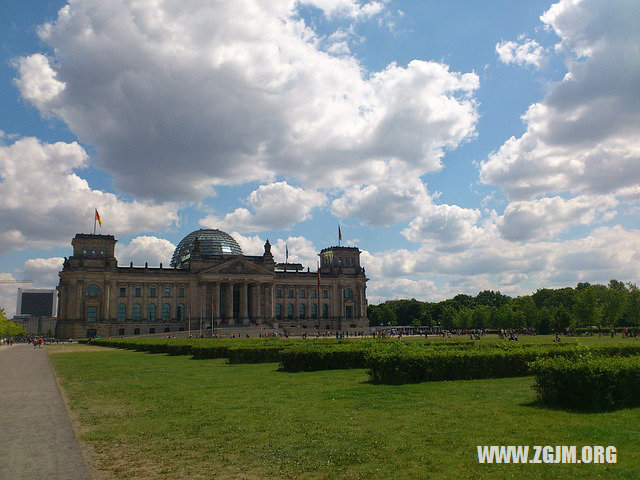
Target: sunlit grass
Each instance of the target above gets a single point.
(156, 416)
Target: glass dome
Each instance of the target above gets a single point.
(212, 242)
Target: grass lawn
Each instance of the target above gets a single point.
(156, 416)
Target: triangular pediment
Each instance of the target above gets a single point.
(238, 266)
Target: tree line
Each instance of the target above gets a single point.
(616, 304)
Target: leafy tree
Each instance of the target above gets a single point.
(481, 316)
(9, 328)
(388, 316)
(633, 305)
(562, 320)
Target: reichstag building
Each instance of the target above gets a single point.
(210, 284)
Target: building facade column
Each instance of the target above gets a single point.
(79, 302)
(244, 301)
(216, 303)
(229, 303)
(272, 303)
(257, 302)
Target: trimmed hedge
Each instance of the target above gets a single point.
(588, 384)
(255, 353)
(309, 358)
(413, 366)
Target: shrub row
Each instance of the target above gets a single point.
(412, 366)
(588, 384)
(326, 357)
(419, 365)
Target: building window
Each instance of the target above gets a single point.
(328, 327)
(303, 311)
(123, 292)
(278, 311)
(122, 312)
(314, 310)
(92, 314)
(151, 312)
(121, 332)
(347, 293)
(325, 294)
(153, 292)
(166, 312)
(180, 312)
(325, 310)
(279, 293)
(138, 292)
(167, 329)
(181, 292)
(290, 311)
(291, 294)
(136, 312)
(152, 330)
(92, 332)
(92, 291)
(136, 331)
(303, 293)
(167, 292)
(349, 311)
(314, 293)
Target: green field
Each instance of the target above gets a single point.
(158, 416)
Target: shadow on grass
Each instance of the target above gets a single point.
(540, 405)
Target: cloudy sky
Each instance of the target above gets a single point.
(461, 145)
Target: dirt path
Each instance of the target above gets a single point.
(36, 437)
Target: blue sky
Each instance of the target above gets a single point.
(461, 145)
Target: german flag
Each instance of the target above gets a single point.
(98, 219)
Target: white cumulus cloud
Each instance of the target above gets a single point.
(583, 136)
(178, 97)
(275, 206)
(529, 52)
(145, 249)
(44, 202)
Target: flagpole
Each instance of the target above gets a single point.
(95, 219)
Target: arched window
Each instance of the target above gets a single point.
(151, 312)
(136, 312)
(303, 293)
(314, 293)
(166, 312)
(303, 310)
(325, 310)
(278, 310)
(291, 294)
(167, 292)
(290, 311)
(347, 293)
(92, 290)
(180, 312)
(92, 314)
(325, 294)
(314, 310)
(122, 312)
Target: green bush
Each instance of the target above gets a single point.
(255, 353)
(306, 358)
(420, 365)
(588, 384)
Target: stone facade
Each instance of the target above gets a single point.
(99, 297)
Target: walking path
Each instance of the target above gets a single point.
(36, 437)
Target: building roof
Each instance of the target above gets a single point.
(209, 243)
